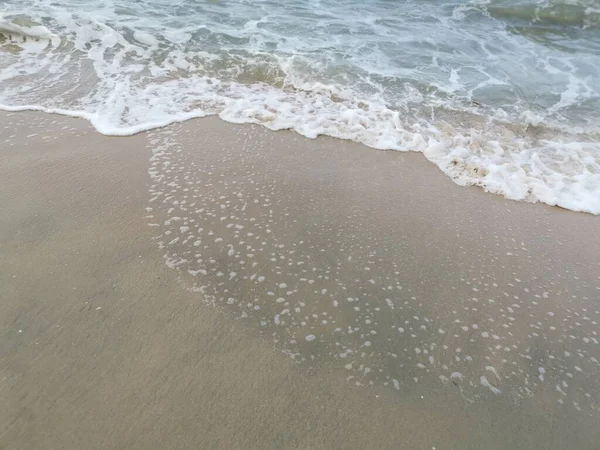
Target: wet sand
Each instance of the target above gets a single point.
(210, 285)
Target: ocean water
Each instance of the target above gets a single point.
(503, 94)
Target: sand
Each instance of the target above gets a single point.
(133, 314)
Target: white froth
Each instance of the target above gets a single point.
(138, 87)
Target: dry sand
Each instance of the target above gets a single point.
(119, 334)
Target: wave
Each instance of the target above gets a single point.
(556, 13)
(126, 79)
(23, 29)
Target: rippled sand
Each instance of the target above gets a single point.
(216, 286)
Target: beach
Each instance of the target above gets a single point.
(210, 285)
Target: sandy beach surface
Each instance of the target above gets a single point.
(210, 285)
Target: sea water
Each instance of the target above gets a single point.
(503, 94)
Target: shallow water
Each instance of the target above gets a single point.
(321, 258)
(501, 94)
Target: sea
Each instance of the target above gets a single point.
(502, 94)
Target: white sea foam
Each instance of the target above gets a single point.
(10, 28)
(324, 312)
(129, 74)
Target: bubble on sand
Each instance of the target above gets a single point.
(232, 223)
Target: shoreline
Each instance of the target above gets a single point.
(105, 346)
(523, 184)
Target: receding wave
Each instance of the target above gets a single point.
(487, 107)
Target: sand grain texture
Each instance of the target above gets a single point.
(102, 346)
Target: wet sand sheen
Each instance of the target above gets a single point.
(467, 321)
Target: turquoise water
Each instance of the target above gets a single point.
(501, 94)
